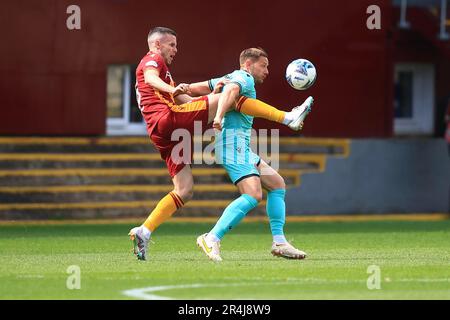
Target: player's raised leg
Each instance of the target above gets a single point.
(276, 210)
(299, 113)
(260, 109)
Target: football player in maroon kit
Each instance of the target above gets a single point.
(165, 108)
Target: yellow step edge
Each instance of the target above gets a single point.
(79, 156)
(115, 188)
(289, 157)
(317, 218)
(319, 159)
(74, 141)
(111, 205)
(125, 172)
(248, 219)
(322, 142)
(89, 172)
(42, 140)
(291, 173)
(146, 140)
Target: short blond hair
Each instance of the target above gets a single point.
(252, 54)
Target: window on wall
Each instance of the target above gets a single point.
(123, 114)
(114, 96)
(404, 95)
(414, 99)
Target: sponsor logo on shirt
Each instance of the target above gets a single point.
(152, 64)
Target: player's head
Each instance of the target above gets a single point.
(256, 62)
(163, 41)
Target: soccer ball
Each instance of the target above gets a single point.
(301, 74)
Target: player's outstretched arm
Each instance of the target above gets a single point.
(203, 88)
(198, 89)
(152, 78)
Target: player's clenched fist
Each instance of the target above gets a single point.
(217, 123)
(219, 86)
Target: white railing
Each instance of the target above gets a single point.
(404, 24)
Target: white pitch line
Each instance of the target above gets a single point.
(146, 293)
(425, 280)
(143, 293)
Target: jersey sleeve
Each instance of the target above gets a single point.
(241, 80)
(212, 83)
(153, 61)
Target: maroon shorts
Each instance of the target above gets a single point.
(178, 153)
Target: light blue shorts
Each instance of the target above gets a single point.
(239, 170)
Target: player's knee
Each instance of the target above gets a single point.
(257, 195)
(277, 184)
(281, 184)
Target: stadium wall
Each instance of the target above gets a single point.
(53, 80)
(379, 176)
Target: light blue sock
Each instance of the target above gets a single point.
(276, 210)
(233, 214)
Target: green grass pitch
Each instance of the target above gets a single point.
(413, 260)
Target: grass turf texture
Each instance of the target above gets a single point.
(414, 260)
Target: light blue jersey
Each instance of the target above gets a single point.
(232, 144)
(246, 83)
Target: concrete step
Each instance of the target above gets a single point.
(109, 193)
(143, 145)
(89, 210)
(52, 178)
(83, 176)
(136, 160)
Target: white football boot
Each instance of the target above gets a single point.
(300, 113)
(140, 243)
(286, 250)
(210, 248)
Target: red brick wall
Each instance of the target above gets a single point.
(53, 80)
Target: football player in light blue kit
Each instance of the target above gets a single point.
(232, 147)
